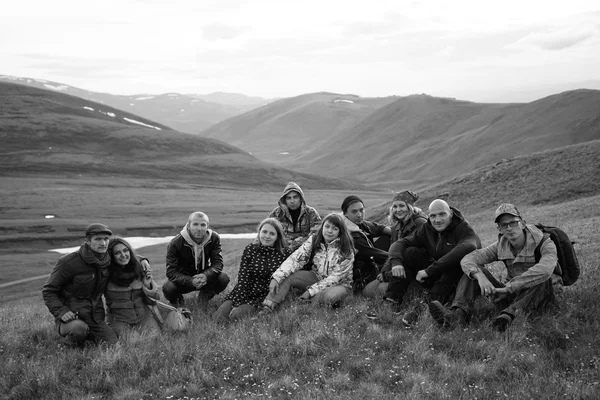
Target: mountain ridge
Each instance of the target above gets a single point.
(45, 132)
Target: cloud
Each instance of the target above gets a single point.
(555, 40)
(221, 32)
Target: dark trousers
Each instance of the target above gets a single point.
(527, 300)
(76, 331)
(174, 292)
(440, 288)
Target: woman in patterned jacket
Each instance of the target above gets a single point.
(259, 260)
(329, 255)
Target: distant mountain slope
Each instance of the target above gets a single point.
(185, 113)
(294, 125)
(233, 99)
(548, 177)
(423, 140)
(44, 132)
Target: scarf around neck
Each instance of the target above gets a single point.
(198, 249)
(92, 258)
(123, 275)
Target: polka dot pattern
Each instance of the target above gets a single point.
(256, 268)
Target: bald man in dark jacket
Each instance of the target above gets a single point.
(431, 257)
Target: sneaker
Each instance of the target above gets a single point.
(445, 317)
(502, 322)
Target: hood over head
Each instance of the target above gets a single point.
(291, 187)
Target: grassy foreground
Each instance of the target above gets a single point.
(303, 352)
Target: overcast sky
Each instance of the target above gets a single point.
(458, 48)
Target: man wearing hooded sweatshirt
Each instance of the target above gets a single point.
(368, 259)
(194, 262)
(298, 219)
(431, 257)
(73, 291)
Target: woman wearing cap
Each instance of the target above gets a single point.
(259, 260)
(329, 254)
(130, 291)
(405, 218)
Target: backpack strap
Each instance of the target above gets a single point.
(538, 252)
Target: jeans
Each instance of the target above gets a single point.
(302, 280)
(527, 300)
(226, 311)
(440, 288)
(174, 292)
(375, 288)
(147, 324)
(76, 331)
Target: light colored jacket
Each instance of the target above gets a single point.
(330, 266)
(522, 270)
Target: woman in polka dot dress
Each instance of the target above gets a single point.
(259, 260)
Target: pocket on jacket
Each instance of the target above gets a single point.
(83, 285)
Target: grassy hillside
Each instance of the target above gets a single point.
(295, 125)
(421, 139)
(185, 113)
(52, 133)
(306, 352)
(547, 177)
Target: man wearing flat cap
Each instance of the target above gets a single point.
(530, 284)
(73, 292)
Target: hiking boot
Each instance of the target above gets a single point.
(502, 322)
(447, 318)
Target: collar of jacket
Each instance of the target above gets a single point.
(334, 243)
(457, 218)
(198, 249)
(291, 187)
(533, 237)
(286, 210)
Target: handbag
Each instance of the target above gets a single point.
(177, 319)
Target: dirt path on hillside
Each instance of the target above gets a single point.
(33, 278)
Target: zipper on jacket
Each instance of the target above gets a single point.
(437, 246)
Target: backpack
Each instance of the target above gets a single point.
(568, 265)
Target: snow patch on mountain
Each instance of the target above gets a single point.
(58, 88)
(133, 121)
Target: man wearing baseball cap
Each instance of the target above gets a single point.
(529, 285)
(73, 292)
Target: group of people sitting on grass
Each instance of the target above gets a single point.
(323, 261)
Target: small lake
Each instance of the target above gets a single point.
(143, 241)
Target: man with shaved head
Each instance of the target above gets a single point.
(194, 262)
(431, 257)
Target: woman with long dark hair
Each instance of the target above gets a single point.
(329, 255)
(129, 291)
